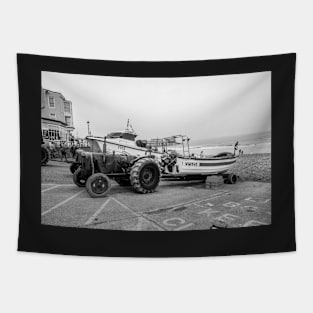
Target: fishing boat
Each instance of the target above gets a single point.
(121, 142)
(181, 162)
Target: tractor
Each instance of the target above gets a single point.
(96, 170)
(77, 163)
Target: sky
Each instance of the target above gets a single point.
(200, 107)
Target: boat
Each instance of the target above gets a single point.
(184, 163)
(121, 142)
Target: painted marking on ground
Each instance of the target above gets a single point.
(260, 200)
(250, 208)
(208, 212)
(93, 216)
(50, 188)
(188, 203)
(177, 221)
(184, 226)
(253, 223)
(141, 222)
(137, 214)
(61, 203)
(227, 218)
(231, 204)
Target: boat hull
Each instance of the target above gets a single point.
(204, 166)
(119, 146)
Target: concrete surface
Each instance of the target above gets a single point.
(175, 205)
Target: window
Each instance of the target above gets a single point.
(67, 106)
(115, 135)
(51, 103)
(55, 132)
(52, 115)
(45, 133)
(68, 120)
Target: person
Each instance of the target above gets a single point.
(202, 154)
(149, 150)
(52, 149)
(73, 149)
(63, 152)
(76, 147)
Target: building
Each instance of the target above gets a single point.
(56, 116)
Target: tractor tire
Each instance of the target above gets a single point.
(45, 155)
(78, 179)
(145, 175)
(98, 185)
(123, 181)
(74, 166)
(231, 178)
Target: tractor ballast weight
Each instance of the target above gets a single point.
(96, 170)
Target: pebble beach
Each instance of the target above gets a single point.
(253, 167)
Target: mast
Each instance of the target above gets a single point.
(129, 127)
(188, 147)
(182, 140)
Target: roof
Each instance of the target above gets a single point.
(59, 93)
(54, 121)
(168, 141)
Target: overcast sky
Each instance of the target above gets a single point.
(200, 107)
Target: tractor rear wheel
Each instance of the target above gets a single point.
(145, 176)
(78, 179)
(44, 155)
(98, 185)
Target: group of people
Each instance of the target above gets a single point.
(59, 149)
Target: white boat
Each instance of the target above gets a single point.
(203, 166)
(121, 142)
(187, 164)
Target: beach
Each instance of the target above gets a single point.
(254, 148)
(253, 167)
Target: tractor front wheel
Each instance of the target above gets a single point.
(74, 166)
(145, 176)
(98, 185)
(78, 179)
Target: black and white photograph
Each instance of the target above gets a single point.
(156, 154)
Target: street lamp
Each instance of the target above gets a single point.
(88, 128)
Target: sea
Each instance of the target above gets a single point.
(249, 144)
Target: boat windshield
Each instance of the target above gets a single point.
(123, 135)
